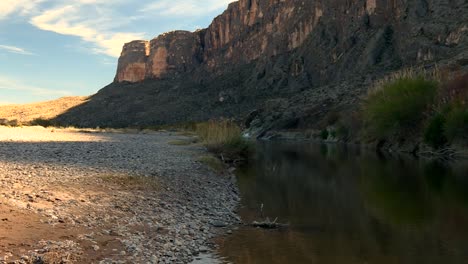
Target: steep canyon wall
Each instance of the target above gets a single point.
(296, 58)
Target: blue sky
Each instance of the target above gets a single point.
(55, 48)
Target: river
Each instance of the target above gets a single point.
(349, 206)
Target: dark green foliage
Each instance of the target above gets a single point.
(434, 133)
(324, 134)
(456, 125)
(342, 132)
(399, 104)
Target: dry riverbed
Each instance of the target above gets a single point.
(68, 196)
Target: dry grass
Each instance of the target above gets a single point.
(435, 74)
(187, 133)
(219, 132)
(212, 162)
(224, 137)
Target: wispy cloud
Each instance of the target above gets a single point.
(88, 21)
(15, 85)
(23, 7)
(16, 50)
(99, 22)
(186, 8)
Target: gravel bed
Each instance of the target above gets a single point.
(108, 198)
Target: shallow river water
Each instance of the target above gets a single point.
(348, 206)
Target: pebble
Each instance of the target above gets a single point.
(151, 196)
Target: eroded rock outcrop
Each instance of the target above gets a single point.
(173, 53)
(132, 62)
(247, 30)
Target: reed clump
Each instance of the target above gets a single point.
(224, 138)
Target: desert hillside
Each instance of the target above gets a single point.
(25, 113)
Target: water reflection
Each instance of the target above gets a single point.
(348, 206)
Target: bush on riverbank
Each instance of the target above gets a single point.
(419, 104)
(456, 124)
(434, 131)
(398, 104)
(224, 138)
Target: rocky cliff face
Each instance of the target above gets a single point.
(247, 30)
(300, 57)
(169, 54)
(252, 29)
(132, 62)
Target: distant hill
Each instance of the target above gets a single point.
(25, 113)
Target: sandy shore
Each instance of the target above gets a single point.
(88, 197)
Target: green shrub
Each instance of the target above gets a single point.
(434, 132)
(456, 125)
(398, 104)
(324, 134)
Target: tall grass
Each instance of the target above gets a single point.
(224, 137)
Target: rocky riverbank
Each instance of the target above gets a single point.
(77, 197)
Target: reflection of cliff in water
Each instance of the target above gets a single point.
(350, 207)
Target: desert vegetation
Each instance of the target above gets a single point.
(224, 138)
(424, 105)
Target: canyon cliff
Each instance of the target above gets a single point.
(277, 63)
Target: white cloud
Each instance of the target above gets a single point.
(89, 21)
(23, 7)
(185, 7)
(14, 85)
(97, 22)
(16, 50)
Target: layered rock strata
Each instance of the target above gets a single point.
(253, 29)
